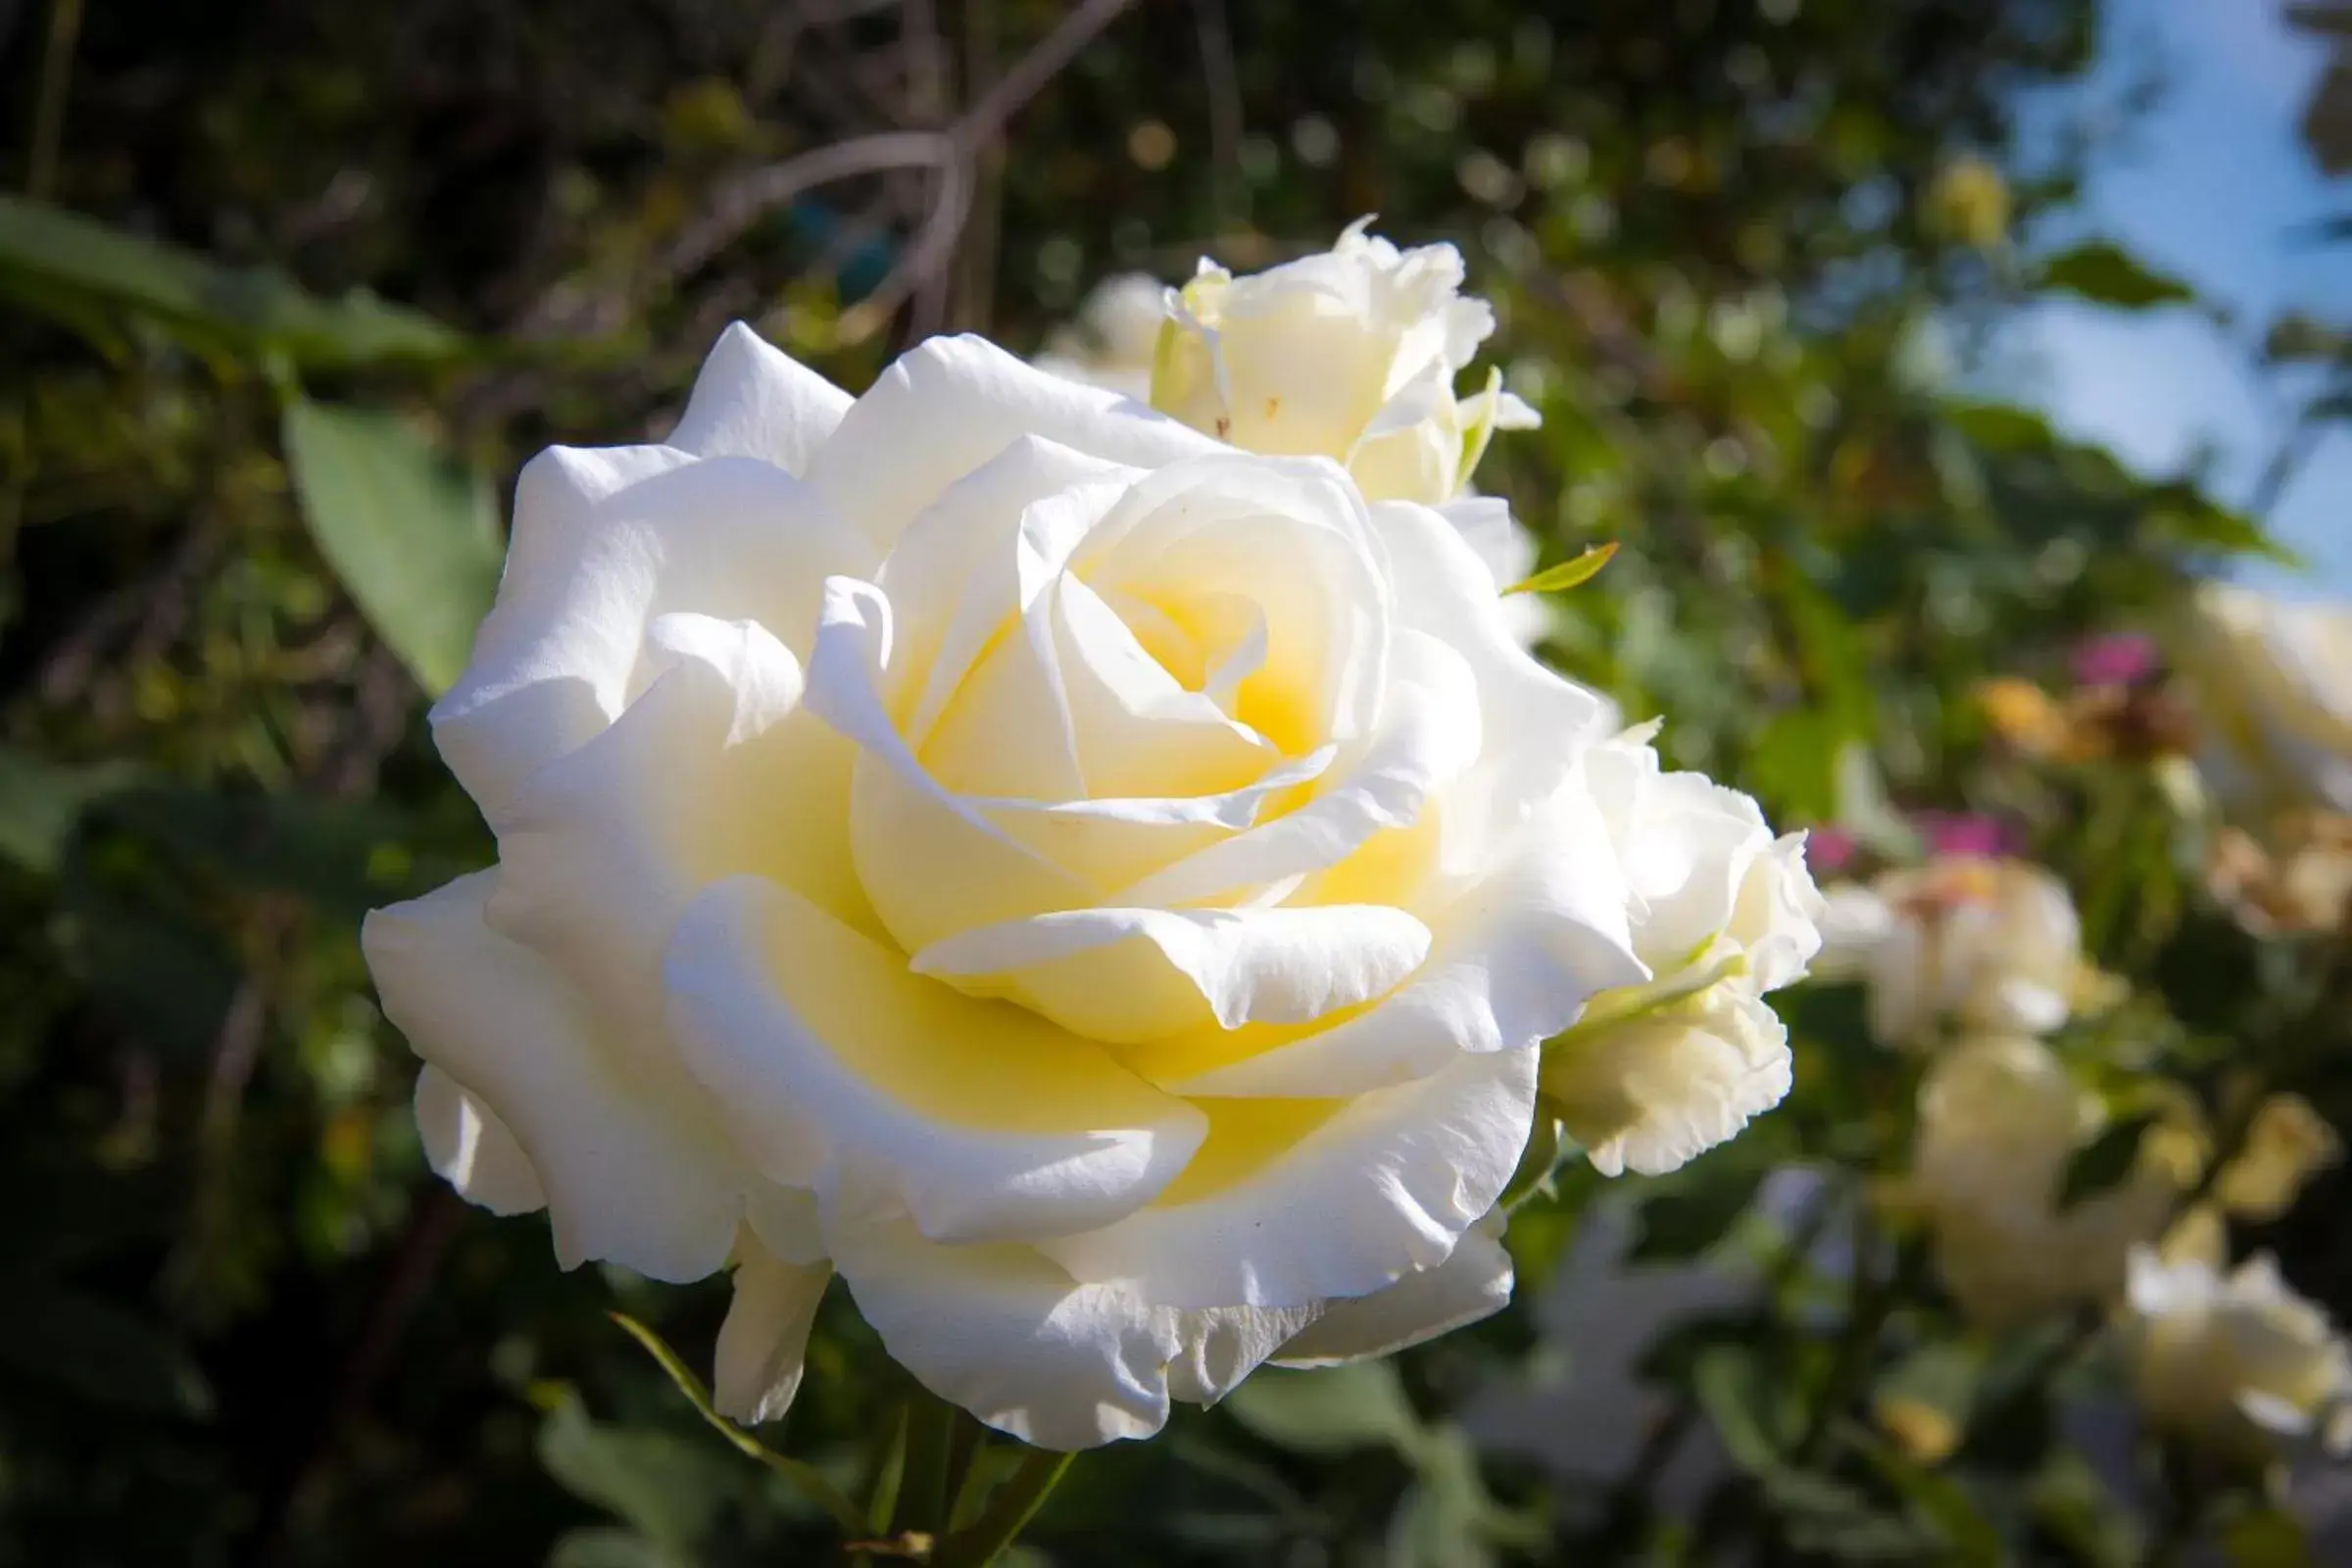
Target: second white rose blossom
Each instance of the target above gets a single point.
(1350, 354)
(1099, 892)
(1723, 914)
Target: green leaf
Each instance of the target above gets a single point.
(80, 271)
(89, 1345)
(607, 1548)
(2068, 1499)
(1975, 1541)
(663, 1486)
(2105, 273)
(2266, 1538)
(1731, 1387)
(1330, 1411)
(2105, 1161)
(411, 534)
(803, 1477)
(40, 801)
(345, 856)
(2001, 426)
(1568, 573)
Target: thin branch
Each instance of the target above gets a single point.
(1030, 74)
(744, 201)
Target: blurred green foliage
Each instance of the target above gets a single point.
(1743, 251)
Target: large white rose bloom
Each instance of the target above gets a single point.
(1723, 912)
(1999, 1122)
(2274, 685)
(1111, 342)
(2240, 1366)
(1101, 892)
(1983, 945)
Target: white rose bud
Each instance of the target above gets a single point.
(2239, 1366)
(2274, 687)
(1999, 1123)
(1989, 946)
(1658, 1073)
(1111, 342)
(1099, 890)
(1350, 354)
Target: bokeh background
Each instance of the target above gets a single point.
(1902, 345)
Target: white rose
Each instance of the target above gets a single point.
(1991, 946)
(2234, 1364)
(1111, 342)
(1658, 1073)
(1099, 890)
(1999, 1122)
(2273, 686)
(1348, 353)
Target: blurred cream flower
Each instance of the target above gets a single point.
(1109, 344)
(2239, 1365)
(1991, 945)
(2274, 687)
(1348, 353)
(1655, 1074)
(2298, 882)
(1968, 201)
(2286, 1143)
(1999, 1122)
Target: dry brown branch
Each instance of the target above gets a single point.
(743, 201)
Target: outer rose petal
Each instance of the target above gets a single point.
(1292, 1203)
(972, 400)
(714, 771)
(1508, 553)
(765, 1336)
(1036, 1355)
(1539, 723)
(632, 1172)
(471, 1149)
(756, 401)
(842, 1070)
(1473, 1283)
(605, 542)
(1655, 1092)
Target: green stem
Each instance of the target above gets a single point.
(889, 1468)
(923, 1495)
(1872, 1298)
(1008, 1512)
(49, 108)
(964, 1473)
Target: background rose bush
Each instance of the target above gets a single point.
(254, 517)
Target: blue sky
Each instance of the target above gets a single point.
(2210, 186)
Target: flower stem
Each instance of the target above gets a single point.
(924, 1495)
(1008, 1512)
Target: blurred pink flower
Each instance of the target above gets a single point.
(1828, 850)
(2116, 658)
(1970, 835)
